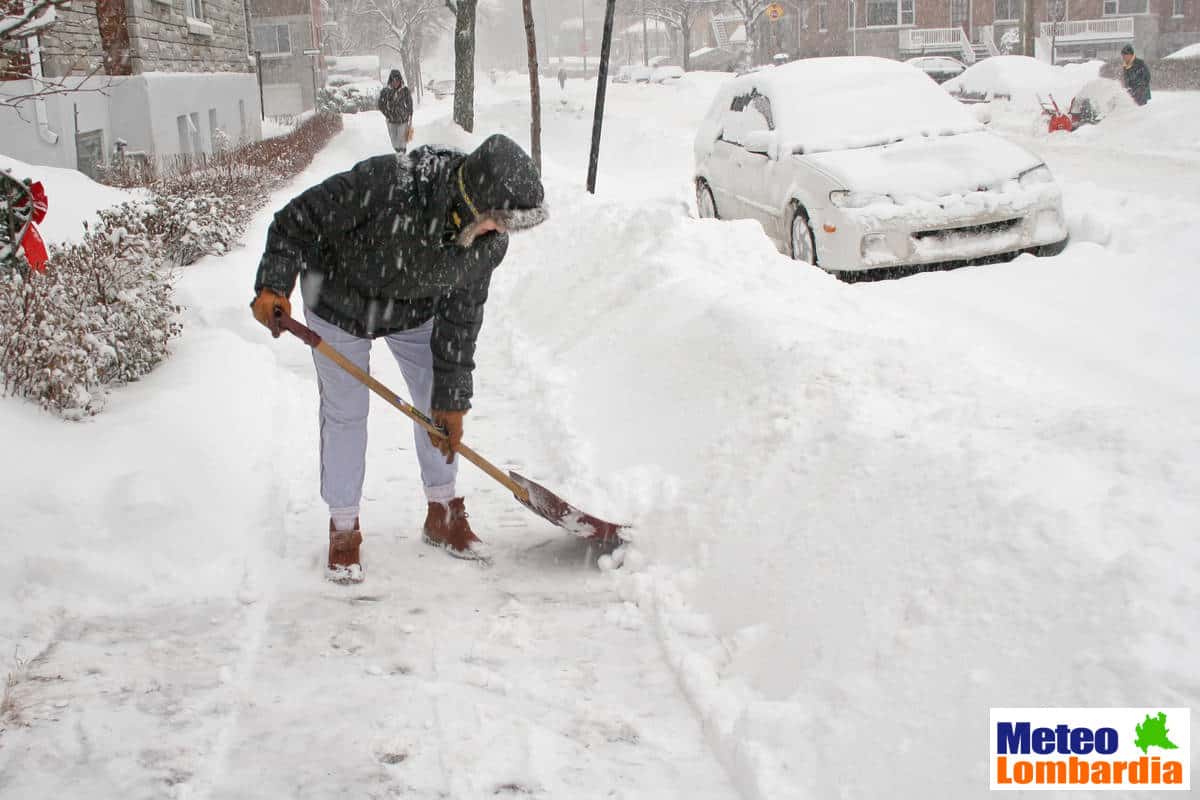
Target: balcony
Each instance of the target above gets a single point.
(1089, 30)
(937, 40)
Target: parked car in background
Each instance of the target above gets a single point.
(863, 163)
(440, 89)
(633, 73)
(667, 74)
(940, 68)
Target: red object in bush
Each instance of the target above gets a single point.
(1060, 122)
(34, 246)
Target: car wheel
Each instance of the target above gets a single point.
(705, 203)
(1047, 250)
(801, 239)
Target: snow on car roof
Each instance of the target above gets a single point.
(1191, 51)
(1023, 78)
(822, 104)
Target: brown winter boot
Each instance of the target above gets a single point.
(344, 565)
(447, 527)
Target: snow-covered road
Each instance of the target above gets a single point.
(864, 513)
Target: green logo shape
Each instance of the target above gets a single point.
(1153, 733)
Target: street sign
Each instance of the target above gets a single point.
(315, 52)
(774, 11)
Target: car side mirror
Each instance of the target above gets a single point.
(762, 142)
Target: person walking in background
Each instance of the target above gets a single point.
(1135, 76)
(562, 78)
(395, 101)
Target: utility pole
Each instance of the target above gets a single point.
(601, 82)
(583, 32)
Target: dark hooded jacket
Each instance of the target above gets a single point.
(375, 254)
(1137, 81)
(396, 104)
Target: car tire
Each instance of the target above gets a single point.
(801, 242)
(1047, 250)
(706, 204)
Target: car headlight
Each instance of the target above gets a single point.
(847, 199)
(1038, 175)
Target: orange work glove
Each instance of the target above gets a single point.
(452, 423)
(264, 309)
(409, 136)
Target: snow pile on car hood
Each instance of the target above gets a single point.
(1021, 80)
(824, 104)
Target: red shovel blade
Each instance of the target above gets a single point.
(549, 506)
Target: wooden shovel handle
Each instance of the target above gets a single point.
(314, 340)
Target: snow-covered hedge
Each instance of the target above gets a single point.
(101, 314)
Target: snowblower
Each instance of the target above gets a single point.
(1080, 112)
(537, 498)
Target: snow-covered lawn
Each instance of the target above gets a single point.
(865, 513)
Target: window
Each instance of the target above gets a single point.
(747, 113)
(890, 12)
(1008, 10)
(272, 39)
(195, 9)
(1113, 8)
(958, 13)
(851, 16)
(823, 15)
(1177, 8)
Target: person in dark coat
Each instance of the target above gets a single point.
(395, 101)
(562, 78)
(399, 248)
(1135, 76)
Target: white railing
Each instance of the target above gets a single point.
(987, 34)
(923, 38)
(1113, 28)
(964, 46)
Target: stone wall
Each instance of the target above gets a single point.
(161, 38)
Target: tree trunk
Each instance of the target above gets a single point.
(535, 92)
(1028, 26)
(685, 30)
(464, 65)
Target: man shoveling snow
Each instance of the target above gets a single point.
(400, 248)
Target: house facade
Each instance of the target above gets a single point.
(974, 29)
(153, 77)
(281, 32)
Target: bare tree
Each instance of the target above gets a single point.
(535, 93)
(400, 26)
(681, 16)
(22, 61)
(751, 12)
(464, 61)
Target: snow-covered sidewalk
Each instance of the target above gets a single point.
(864, 513)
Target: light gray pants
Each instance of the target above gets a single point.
(398, 131)
(344, 403)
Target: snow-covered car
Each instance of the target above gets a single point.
(940, 68)
(624, 75)
(864, 163)
(667, 74)
(442, 88)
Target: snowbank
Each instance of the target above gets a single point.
(73, 198)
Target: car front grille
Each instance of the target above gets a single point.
(970, 230)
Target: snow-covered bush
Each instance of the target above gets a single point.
(101, 314)
(346, 99)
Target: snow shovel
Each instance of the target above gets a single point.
(537, 498)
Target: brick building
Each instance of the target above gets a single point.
(973, 29)
(159, 77)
